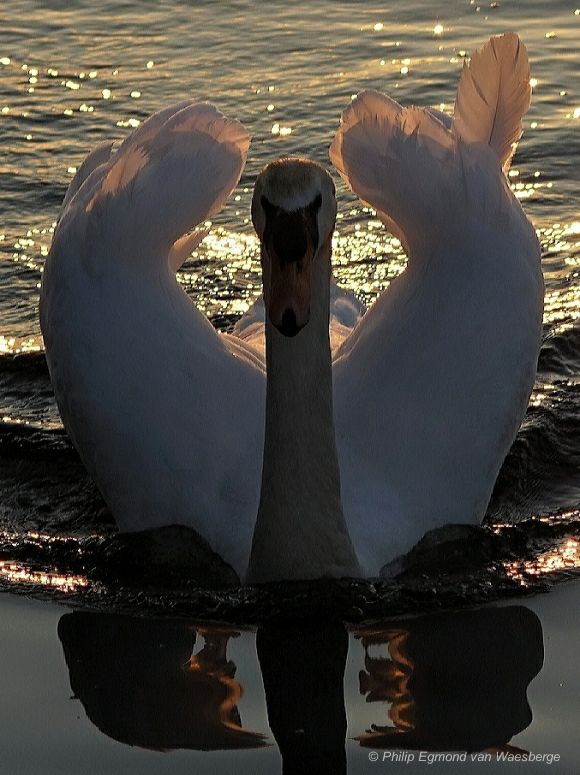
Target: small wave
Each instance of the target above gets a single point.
(29, 442)
(26, 394)
(560, 353)
(26, 365)
(540, 473)
(43, 483)
(129, 574)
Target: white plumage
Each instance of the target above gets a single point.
(432, 385)
(494, 93)
(429, 388)
(166, 414)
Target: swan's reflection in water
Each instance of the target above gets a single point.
(454, 681)
(303, 673)
(451, 681)
(141, 684)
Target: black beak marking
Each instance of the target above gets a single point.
(288, 232)
(289, 326)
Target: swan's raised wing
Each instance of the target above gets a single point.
(174, 171)
(166, 413)
(432, 385)
(493, 95)
(373, 142)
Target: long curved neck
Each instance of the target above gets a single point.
(300, 530)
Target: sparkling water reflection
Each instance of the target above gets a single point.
(71, 79)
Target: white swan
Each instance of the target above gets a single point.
(429, 389)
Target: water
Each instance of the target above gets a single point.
(73, 76)
(76, 78)
(174, 696)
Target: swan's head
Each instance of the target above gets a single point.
(293, 212)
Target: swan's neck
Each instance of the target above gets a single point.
(300, 530)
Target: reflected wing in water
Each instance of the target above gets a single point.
(455, 681)
(141, 684)
(303, 671)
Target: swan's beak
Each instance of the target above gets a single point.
(289, 247)
(289, 297)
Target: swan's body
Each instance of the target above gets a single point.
(429, 389)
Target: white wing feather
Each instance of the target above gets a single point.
(494, 93)
(362, 116)
(166, 413)
(94, 160)
(395, 159)
(173, 175)
(431, 386)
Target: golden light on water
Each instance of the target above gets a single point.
(19, 573)
(132, 123)
(223, 275)
(565, 556)
(387, 679)
(283, 131)
(12, 345)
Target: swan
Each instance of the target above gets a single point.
(300, 531)
(372, 436)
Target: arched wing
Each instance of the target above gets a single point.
(176, 170)
(166, 413)
(383, 150)
(432, 384)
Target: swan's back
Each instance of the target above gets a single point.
(345, 312)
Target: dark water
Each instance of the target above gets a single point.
(72, 76)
